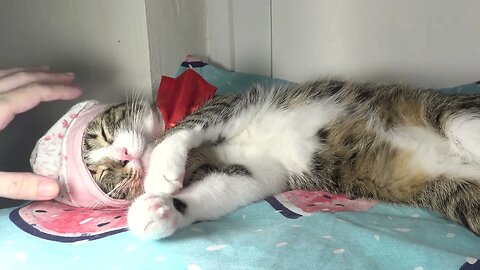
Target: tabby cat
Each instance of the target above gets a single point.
(387, 142)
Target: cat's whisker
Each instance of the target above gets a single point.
(132, 183)
(137, 110)
(119, 186)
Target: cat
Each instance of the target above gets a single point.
(388, 142)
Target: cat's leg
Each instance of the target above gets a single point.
(211, 123)
(155, 216)
(464, 134)
(457, 117)
(456, 199)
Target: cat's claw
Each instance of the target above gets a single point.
(175, 184)
(153, 216)
(161, 184)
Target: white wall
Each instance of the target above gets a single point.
(175, 29)
(431, 43)
(238, 35)
(104, 42)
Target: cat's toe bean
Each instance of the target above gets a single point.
(154, 206)
(152, 216)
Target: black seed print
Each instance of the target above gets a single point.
(40, 211)
(117, 217)
(103, 224)
(68, 210)
(326, 196)
(311, 205)
(339, 204)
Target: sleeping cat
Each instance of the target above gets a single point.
(387, 142)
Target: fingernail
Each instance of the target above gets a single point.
(47, 189)
(69, 74)
(78, 91)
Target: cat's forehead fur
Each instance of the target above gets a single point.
(123, 117)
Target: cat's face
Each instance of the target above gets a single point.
(117, 145)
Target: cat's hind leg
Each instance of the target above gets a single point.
(464, 133)
(458, 200)
(456, 117)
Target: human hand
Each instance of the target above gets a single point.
(22, 89)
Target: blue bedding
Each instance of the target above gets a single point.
(288, 231)
(260, 236)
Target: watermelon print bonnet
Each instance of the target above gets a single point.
(58, 155)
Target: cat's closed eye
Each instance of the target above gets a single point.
(106, 135)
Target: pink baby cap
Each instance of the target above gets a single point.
(58, 155)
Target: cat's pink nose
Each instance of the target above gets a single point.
(124, 155)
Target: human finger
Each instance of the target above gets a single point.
(27, 97)
(22, 78)
(27, 186)
(5, 72)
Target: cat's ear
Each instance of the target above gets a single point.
(154, 124)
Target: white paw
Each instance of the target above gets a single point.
(153, 216)
(167, 167)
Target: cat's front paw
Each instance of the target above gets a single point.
(167, 167)
(153, 216)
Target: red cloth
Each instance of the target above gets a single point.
(181, 96)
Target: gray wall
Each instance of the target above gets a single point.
(105, 42)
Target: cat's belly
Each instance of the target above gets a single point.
(284, 138)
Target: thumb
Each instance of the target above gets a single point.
(27, 186)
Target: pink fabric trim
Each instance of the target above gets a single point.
(81, 187)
